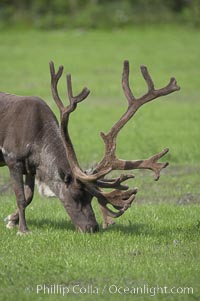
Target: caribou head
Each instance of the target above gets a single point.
(95, 181)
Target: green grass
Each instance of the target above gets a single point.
(156, 243)
(150, 245)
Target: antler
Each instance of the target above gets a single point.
(122, 197)
(110, 162)
(66, 111)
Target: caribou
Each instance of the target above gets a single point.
(34, 145)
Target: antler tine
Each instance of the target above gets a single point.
(55, 76)
(147, 78)
(78, 98)
(121, 200)
(115, 182)
(125, 83)
(152, 92)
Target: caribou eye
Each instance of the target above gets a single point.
(66, 177)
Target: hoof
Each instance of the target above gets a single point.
(22, 233)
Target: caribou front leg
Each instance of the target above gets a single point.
(13, 219)
(16, 173)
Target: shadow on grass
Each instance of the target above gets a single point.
(135, 229)
(142, 229)
(47, 223)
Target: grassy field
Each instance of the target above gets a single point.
(154, 247)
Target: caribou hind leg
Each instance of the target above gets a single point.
(13, 219)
